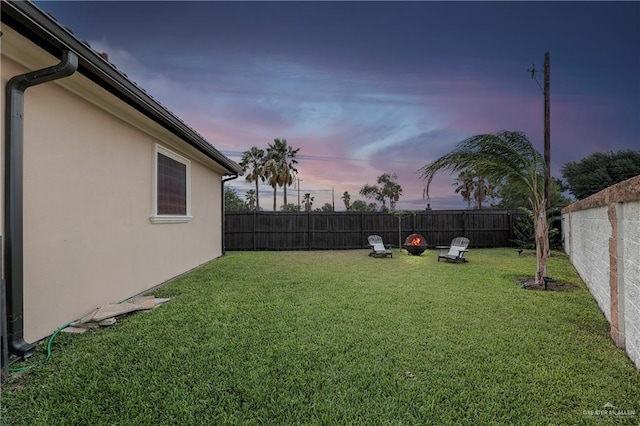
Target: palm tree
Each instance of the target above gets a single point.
(253, 161)
(503, 157)
(308, 202)
(471, 185)
(281, 168)
(271, 171)
(482, 191)
(464, 186)
(347, 200)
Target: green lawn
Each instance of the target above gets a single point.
(338, 337)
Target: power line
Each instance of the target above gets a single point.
(533, 72)
(229, 153)
(301, 157)
(269, 189)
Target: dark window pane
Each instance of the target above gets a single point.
(172, 186)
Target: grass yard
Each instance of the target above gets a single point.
(337, 337)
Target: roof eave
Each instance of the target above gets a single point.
(44, 31)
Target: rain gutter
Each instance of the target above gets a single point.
(13, 225)
(224, 180)
(45, 32)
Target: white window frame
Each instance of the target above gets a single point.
(162, 218)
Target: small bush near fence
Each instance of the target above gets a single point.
(349, 230)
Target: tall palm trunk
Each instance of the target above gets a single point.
(257, 197)
(274, 197)
(285, 194)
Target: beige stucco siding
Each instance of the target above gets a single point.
(88, 194)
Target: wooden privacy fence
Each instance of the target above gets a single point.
(349, 230)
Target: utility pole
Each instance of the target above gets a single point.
(333, 199)
(547, 133)
(547, 128)
(298, 194)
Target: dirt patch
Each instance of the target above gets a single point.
(530, 284)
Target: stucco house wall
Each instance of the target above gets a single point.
(89, 163)
(602, 238)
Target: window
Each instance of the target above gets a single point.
(171, 188)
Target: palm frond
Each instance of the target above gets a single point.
(500, 156)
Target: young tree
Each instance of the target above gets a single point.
(347, 200)
(509, 157)
(387, 189)
(252, 161)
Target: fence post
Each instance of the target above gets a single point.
(464, 223)
(511, 222)
(308, 229)
(413, 223)
(361, 227)
(253, 231)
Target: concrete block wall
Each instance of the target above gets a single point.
(602, 238)
(631, 267)
(590, 243)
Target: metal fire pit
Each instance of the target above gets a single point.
(415, 244)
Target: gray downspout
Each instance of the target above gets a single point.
(13, 203)
(224, 244)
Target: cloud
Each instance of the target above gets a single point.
(356, 114)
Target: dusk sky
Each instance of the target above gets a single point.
(365, 88)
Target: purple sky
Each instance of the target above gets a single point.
(364, 88)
